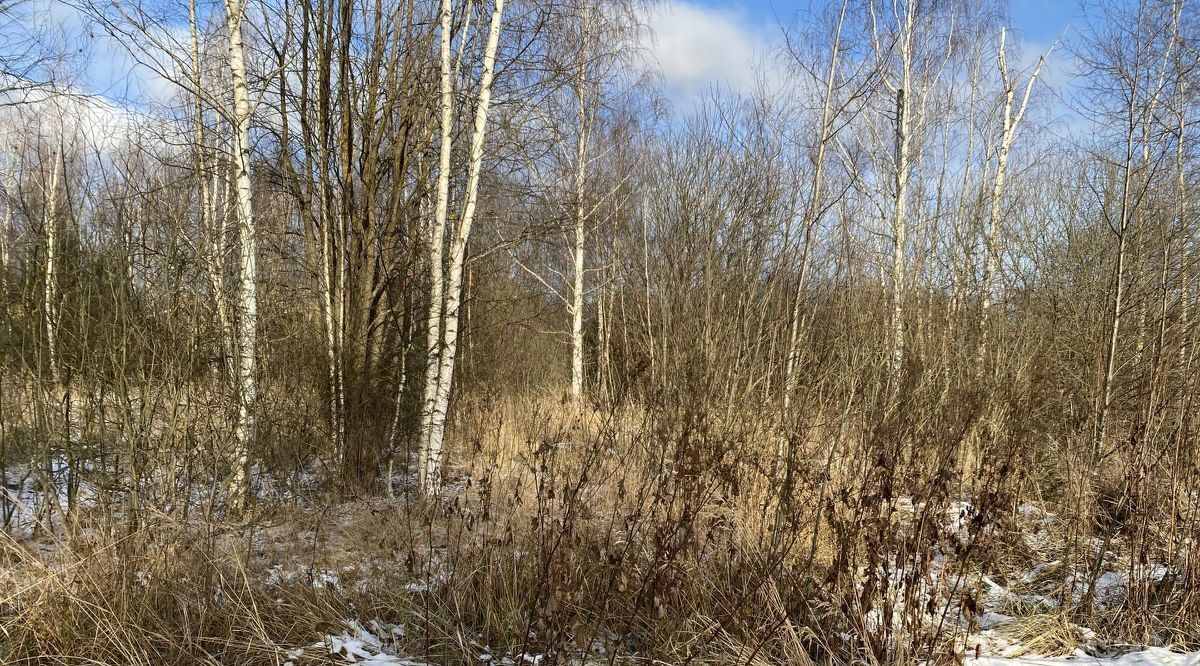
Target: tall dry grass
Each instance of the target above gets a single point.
(645, 533)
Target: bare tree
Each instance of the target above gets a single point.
(1129, 85)
(1010, 119)
(155, 46)
(247, 300)
(446, 289)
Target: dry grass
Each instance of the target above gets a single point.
(1046, 634)
(561, 533)
(167, 594)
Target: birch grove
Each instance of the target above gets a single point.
(518, 331)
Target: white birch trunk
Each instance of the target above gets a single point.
(50, 317)
(6, 234)
(431, 476)
(578, 286)
(247, 304)
(1182, 214)
(602, 339)
(991, 253)
(812, 212)
(212, 221)
(5, 256)
(900, 230)
(50, 279)
(577, 316)
(330, 320)
(437, 241)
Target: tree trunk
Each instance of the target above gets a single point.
(435, 428)
(437, 241)
(1008, 131)
(247, 305)
(578, 286)
(811, 215)
(899, 234)
(50, 279)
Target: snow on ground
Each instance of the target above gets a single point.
(373, 646)
(25, 504)
(994, 640)
(997, 639)
(377, 645)
(1146, 657)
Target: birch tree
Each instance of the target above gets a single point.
(214, 198)
(247, 299)
(814, 207)
(1128, 69)
(902, 164)
(445, 295)
(165, 52)
(586, 122)
(1010, 118)
(584, 119)
(50, 297)
(915, 47)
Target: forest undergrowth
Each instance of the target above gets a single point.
(632, 536)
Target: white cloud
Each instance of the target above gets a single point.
(100, 63)
(696, 48)
(86, 123)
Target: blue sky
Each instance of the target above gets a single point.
(1043, 21)
(1039, 20)
(703, 43)
(699, 44)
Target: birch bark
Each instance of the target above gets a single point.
(447, 347)
(437, 241)
(578, 286)
(247, 303)
(899, 214)
(1010, 121)
(50, 279)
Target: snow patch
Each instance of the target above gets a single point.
(1146, 657)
